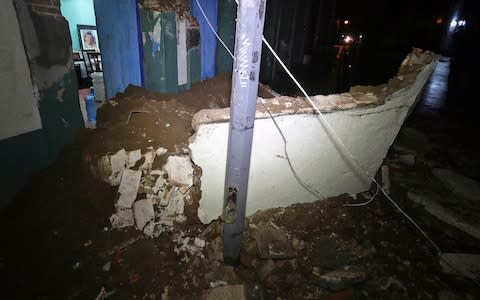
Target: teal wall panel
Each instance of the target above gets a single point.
(27, 153)
(77, 12)
(227, 14)
(120, 44)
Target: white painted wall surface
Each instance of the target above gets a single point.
(182, 51)
(18, 106)
(367, 134)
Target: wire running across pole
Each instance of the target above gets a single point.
(335, 138)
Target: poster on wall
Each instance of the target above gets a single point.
(88, 37)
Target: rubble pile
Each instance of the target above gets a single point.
(150, 199)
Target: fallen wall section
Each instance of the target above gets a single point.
(367, 120)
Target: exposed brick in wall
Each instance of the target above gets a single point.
(45, 7)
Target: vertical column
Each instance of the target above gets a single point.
(248, 46)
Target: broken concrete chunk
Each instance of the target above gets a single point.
(340, 279)
(179, 170)
(133, 157)
(199, 243)
(160, 186)
(122, 218)
(161, 151)
(459, 185)
(149, 158)
(446, 215)
(128, 188)
(466, 264)
(116, 164)
(174, 201)
(273, 243)
(143, 212)
(231, 292)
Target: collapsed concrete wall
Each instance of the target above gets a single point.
(367, 120)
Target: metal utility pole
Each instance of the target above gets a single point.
(246, 67)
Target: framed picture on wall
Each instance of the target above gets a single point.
(88, 37)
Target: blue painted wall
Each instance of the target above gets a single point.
(27, 153)
(120, 43)
(77, 12)
(208, 41)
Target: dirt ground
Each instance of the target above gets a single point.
(57, 241)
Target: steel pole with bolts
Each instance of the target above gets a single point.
(246, 68)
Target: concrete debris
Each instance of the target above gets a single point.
(445, 215)
(160, 187)
(106, 267)
(143, 212)
(104, 294)
(167, 194)
(175, 203)
(459, 185)
(109, 168)
(160, 151)
(164, 295)
(199, 243)
(149, 158)
(231, 292)
(154, 229)
(218, 283)
(133, 157)
(122, 218)
(407, 159)
(188, 247)
(128, 188)
(273, 243)
(340, 279)
(179, 170)
(466, 264)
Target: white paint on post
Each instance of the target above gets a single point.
(182, 51)
(18, 105)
